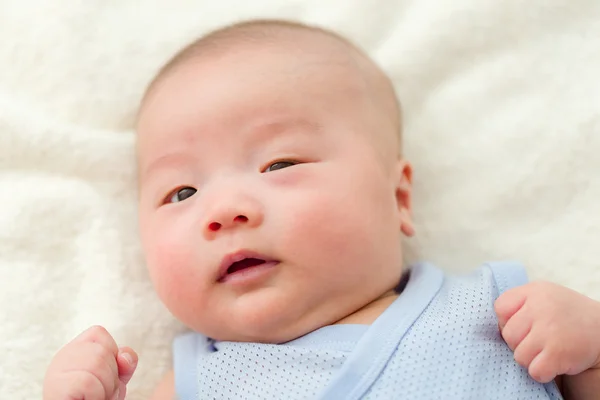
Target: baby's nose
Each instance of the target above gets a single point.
(216, 225)
(229, 216)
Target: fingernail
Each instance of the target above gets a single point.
(116, 395)
(128, 358)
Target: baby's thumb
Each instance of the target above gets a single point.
(127, 360)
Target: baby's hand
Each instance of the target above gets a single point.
(551, 329)
(91, 367)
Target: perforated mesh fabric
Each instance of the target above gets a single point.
(455, 351)
(259, 371)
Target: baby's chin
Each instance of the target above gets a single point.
(262, 327)
(271, 314)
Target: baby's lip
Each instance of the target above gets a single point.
(240, 255)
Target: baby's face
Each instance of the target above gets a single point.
(267, 209)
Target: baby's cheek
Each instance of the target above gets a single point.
(171, 263)
(327, 228)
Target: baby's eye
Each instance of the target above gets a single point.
(279, 165)
(180, 195)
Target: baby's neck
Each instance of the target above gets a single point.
(370, 312)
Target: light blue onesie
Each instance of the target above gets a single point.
(438, 340)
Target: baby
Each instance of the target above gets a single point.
(273, 199)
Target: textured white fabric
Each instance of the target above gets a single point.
(502, 124)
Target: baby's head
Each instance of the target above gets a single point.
(275, 145)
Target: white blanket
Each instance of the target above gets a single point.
(502, 122)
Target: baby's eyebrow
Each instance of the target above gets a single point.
(266, 130)
(171, 160)
(258, 133)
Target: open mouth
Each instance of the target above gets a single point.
(243, 264)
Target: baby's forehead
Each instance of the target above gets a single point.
(307, 45)
(289, 60)
(257, 76)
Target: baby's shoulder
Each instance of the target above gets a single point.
(489, 280)
(466, 300)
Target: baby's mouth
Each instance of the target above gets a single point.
(243, 264)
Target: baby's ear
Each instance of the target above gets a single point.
(403, 180)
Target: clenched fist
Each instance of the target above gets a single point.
(551, 329)
(91, 367)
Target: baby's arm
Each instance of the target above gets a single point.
(554, 331)
(166, 388)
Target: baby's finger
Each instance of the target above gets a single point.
(127, 362)
(517, 328)
(97, 334)
(98, 361)
(509, 303)
(527, 350)
(543, 368)
(81, 385)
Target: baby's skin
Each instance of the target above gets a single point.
(273, 200)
